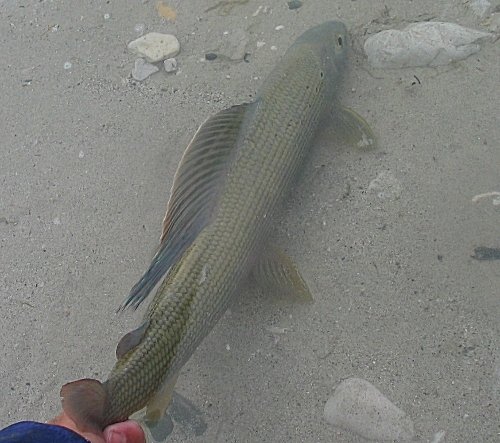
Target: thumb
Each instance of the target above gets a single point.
(125, 432)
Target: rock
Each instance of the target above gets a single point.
(422, 44)
(357, 406)
(155, 47)
(386, 186)
(294, 4)
(170, 65)
(142, 70)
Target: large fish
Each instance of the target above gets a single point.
(230, 184)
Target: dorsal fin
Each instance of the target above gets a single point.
(194, 194)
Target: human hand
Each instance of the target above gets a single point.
(126, 432)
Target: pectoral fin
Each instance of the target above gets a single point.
(195, 193)
(352, 128)
(277, 273)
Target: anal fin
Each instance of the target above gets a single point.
(277, 273)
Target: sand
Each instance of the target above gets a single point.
(87, 158)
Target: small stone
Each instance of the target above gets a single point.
(279, 28)
(142, 70)
(274, 48)
(67, 65)
(422, 44)
(170, 65)
(260, 44)
(359, 407)
(107, 16)
(81, 154)
(56, 221)
(210, 56)
(155, 47)
(294, 4)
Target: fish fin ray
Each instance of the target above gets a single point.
(130, 340)
(85, 402)
(187, 414)
(156, 422)
(194, 194)
(353, 128)
(275, 271)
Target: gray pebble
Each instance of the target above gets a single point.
(359, 407)
(294, 4)
(142, 70)
(170, 65)
(155, 47)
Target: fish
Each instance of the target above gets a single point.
(233, 178)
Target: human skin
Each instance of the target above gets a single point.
(126, 432)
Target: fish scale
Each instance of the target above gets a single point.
(270, 145)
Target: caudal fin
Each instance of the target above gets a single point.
(85, 402)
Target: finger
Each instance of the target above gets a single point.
(125, 432)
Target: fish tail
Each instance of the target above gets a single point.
(86, 402)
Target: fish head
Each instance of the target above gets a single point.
(329, 40)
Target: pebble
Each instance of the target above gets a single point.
(294, 4)
(155, 47)
(359, 407)
(170, 65)
(142, 70)
(210, 56)
(386, 186)
(422, 44)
